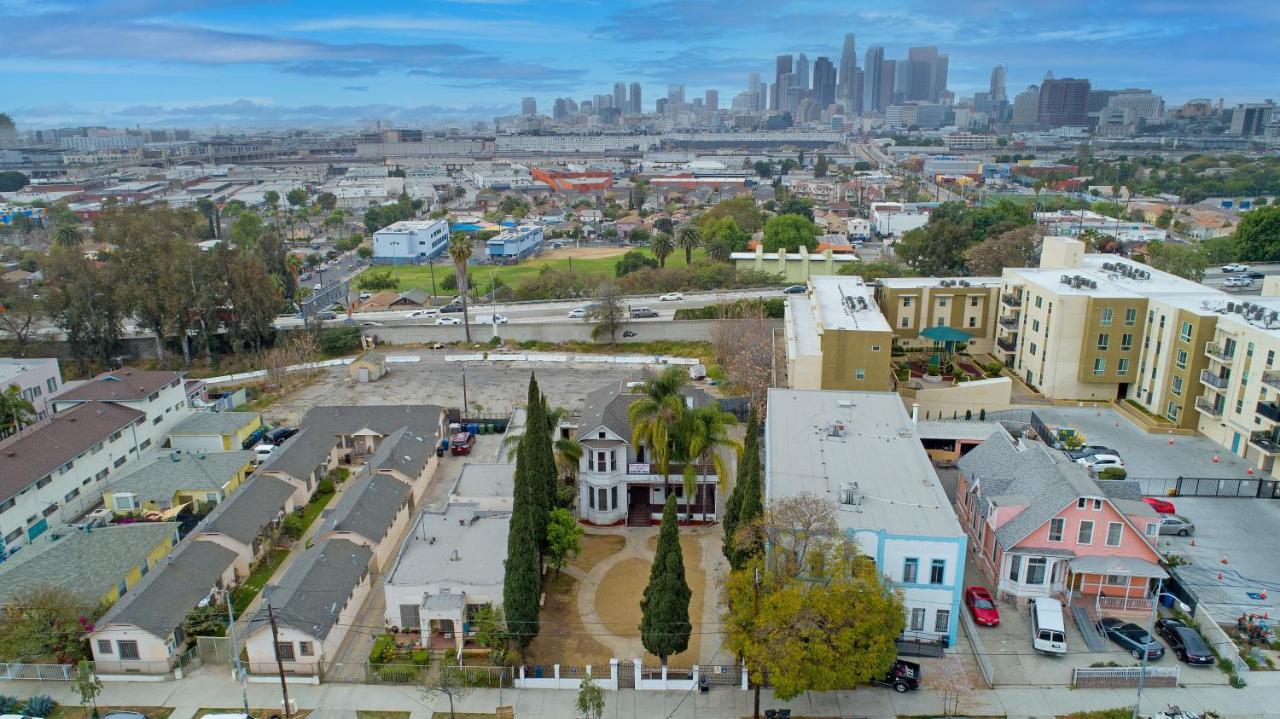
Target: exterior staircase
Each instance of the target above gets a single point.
(639, 517)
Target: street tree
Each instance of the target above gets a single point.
(664, 607)
(788, 233)
(662, 245)
(609, 315)
(88, 686)
(460, 248)
(590, 702)
(450, 682)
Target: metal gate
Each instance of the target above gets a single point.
(626, 676)
(1236, 487)
(215, 650)
(729, 675)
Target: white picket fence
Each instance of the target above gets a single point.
(37, 672)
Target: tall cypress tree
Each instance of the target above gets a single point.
(539, 462)
(664, 608)
(748, 471)
(521, 582)
(749, 510)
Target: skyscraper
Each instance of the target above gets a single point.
(712, 100)
(529, 106)
(675, 94)
(888, 76)
(782, 66)
(1063, 102)
(802, 72)
(848, 64)
(928, 74)
(872, 77)
(755, 86)
(620, 96)
(824, 83)
(636, 106)
(902, 73)
(1026, 108)
(559, 111)
(997, 83)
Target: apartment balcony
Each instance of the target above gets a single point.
(1009, 323)
(1268, 442)
(1211, 378)
(1271, 379)
(1007, 345)
(1217, 353)
(1207, 406)
(1269, 411)
(1011, 300)
(673, 469)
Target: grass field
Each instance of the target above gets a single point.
(419, 276)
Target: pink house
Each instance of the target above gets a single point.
(1040, 526)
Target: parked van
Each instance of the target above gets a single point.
(1048, 634)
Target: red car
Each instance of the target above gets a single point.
(461, 443)
(983, 609)
(1162, 506)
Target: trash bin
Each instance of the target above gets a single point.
(703, 684)
(1166, 600)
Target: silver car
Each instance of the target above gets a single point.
(1177, 524)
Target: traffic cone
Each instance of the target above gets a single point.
(1171, 441)
(1219, 576)
(1224, 559)
(1216, 459)
(1193, 542)
(1250, 471)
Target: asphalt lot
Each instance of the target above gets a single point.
(1148, 455)
(1244, 531)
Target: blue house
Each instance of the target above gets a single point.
(515, 243)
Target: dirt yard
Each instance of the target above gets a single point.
(583, 253)
(563, 639)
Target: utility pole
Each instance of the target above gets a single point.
(235, 653)
(756, 611)
(275, 646)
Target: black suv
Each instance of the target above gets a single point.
(1187, 644)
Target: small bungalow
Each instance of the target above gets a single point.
(369, 367)
(173, 481)
(372, 512)
(246, 524)
(214, 431)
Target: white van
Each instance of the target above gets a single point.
(1048, 634)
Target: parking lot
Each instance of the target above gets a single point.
(1246, 533)
(1148, 455)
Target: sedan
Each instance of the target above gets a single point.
(1187, 644)
(794, 290)
(984, 611)
(1100, 462)
(371, 323)
(415, 314)
(577, 313)
(1090, 450)
(1256, 275)
(326, 315)
(448, 321)
(670, 297)
(1162, 506)
(1237, 282)
(1177, 524)
(1132, 637)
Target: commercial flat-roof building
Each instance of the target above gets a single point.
(861, 452)
(410, 242)
(514, 243)
(836, 337)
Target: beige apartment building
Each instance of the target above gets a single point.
(912, 304)
(837, 338)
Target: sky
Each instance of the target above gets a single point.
(224, 63)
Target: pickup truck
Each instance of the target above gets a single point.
(903, 676)
(642, 312)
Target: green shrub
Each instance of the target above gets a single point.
(340, 340)
(372, 280)
(1113, 473)
(292, 526)
(40, 705)
(9, 705)
(420, 657)
(324, 486)
(383, 650)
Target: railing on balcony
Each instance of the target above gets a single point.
(1218, 352)
(1266, 441)
(1007, 345)
(1009, 323)
(1213, 379)
(673, 469)
(1011, 300)
(1269, 411)
(1124, 604)
(1208, 407)
(1271, 379)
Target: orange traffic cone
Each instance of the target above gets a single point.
(1224, 559)
(1219, 576)
(1250, 472)
(1171, 441)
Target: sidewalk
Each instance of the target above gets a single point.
(214, 688)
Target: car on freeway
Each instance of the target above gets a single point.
(1235, 267)
(794, 290)
(371, 323)
(1162, 506)
(491, 320)
(304, 276)
(670, 297)
(1177, 524)
(448, 321)
(1099, 462)
(365, 295)
(1237, 282)
(1187, 644)
(902, 676)
(452, 307)
(1132, 637)
(326, 315)
(278, 435)
(981, 606)
(577, 313)
(426, 312)
(643, 312)
(1255, 275)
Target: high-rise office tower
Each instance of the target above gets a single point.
(711, 100)
(997, 83)
(802, 72)
(675, 94)
(636, 106)
(620, 95)
(938, 87)
(888, 75)
(660, 106)
(844, 77)
(786, 83)
(529, 106)
(928, 74)
(872, 74)
(559, 111)
(1064, 102)
(755, 86)
(782, 66)
(824, 83)
(1026, 108)
(902, 73)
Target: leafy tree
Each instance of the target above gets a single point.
(491, 633)
(16, 411)
(1188, 261)
(19, 319)
(206, 621)
(590, 702)
(451, 682)
(762, 168)
(246, 230)
(327, 201)
(936, 249)
(84, 301)
(44, 624)
(722, 238)
(688, 240)
(1164, 219)
(608, 314)
(747, 482)
(564, 538)
(1110, 209)
(743, 210)
(379, 280)
(665, 224)
(12, 181)
(1015, 248)
(793, 205)
(788, 233)
(662, 245)
(1219, 249)
(632, 261)
(364, 251)
(460, 248)
(664, 607)
(820, 166)
(1257, 237)
(862, 166)
(87, 685)
(297, 197)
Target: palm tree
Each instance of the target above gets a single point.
(706, 433)
(662, 246)
(460, 251)
(656, 418)
(67, 236)
(688, 239)
(16, 411)
(568, 450)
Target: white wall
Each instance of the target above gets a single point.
(891, 553)
(195, 443)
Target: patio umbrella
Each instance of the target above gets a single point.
(948, 337)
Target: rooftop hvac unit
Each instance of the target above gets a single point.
(1093, 284)
(850, 494)
(1066, 279)
(1231, 307)
(835, 429)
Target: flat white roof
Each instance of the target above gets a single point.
(846, 303)
(813, 256)
(805, 326)
(819, 441)
(461, 545)
(936, 282)
(412, 226)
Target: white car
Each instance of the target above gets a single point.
(448, 321)
(1235, 267)
(1099, 462)
(577, 313)
(491, 320)
(1237, 282)
(416, 314)
(263, 452)
(671, 297)
(365, 295)
(371, 323)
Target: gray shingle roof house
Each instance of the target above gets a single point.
(87, 564)
(246, 515)
(159, 480)
(368, 507)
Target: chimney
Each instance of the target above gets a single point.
(915, 413)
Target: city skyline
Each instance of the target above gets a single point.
(199, 63)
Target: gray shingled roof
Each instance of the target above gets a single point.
(160, 479)
(244, 513)
(43, 448)
(88, 564)
(321, 426)
(160, 602)
(316, 585)
(609, 406)
(207, 423)
(368, 507)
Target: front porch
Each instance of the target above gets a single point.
(1113, 586)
